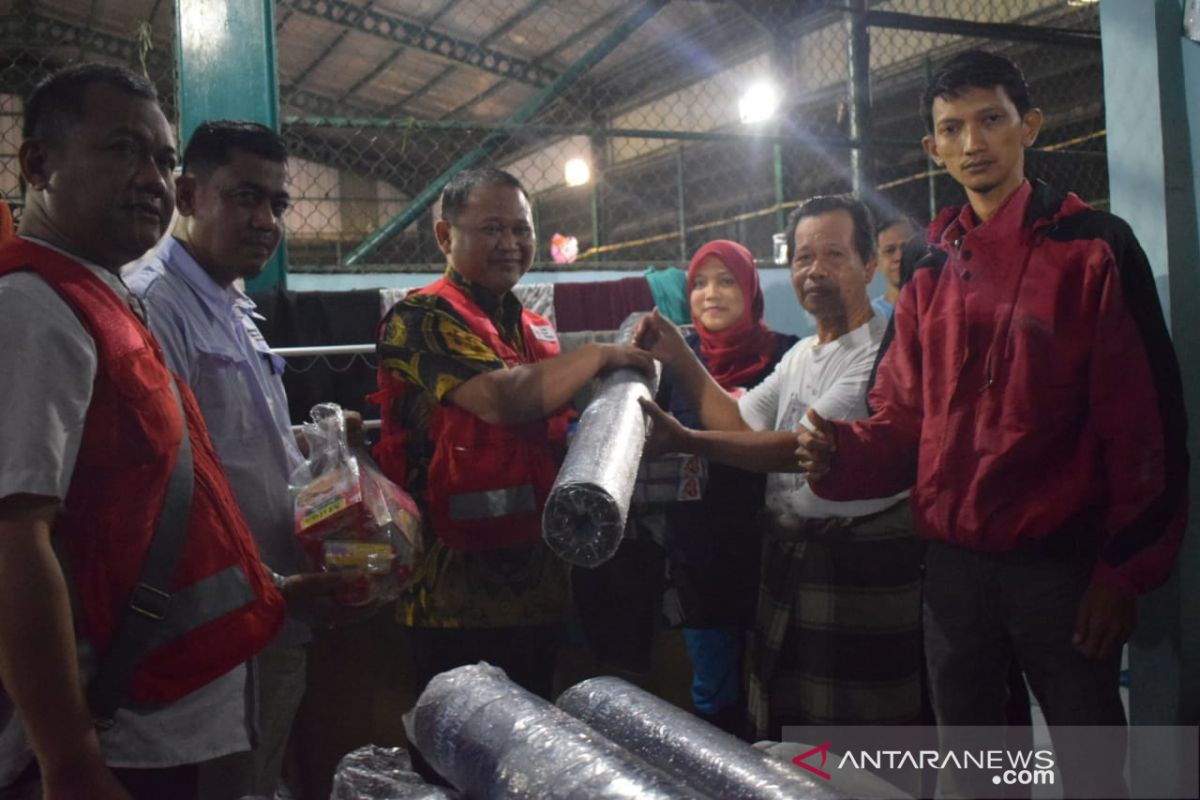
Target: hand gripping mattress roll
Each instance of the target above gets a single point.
(492, 739)
(697, 753)
(589, 502)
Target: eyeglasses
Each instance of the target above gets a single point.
(521, 231)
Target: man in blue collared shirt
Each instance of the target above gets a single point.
(232, 195)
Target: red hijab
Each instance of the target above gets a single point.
(738, 354)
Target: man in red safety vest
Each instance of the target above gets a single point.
(125, 565)
(475, 398)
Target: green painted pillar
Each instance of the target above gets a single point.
(1152, 94)
(227, 70)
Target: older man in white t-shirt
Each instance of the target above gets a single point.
(838, 632)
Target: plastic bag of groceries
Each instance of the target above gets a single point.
(349, 516)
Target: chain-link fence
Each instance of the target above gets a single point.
(37, 37)
(382, 99)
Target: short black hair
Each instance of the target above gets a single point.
(864, 220)
(976, 69)
(883, 221)
(57, 101)
(454, 196)
(214, 142)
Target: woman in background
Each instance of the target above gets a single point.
(713, 545)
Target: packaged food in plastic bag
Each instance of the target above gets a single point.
(349, 516)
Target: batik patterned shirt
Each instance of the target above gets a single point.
(429, 345)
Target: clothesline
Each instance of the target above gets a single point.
(321, 353)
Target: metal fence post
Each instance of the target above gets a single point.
(859, 58)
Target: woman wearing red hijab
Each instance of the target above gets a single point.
(712, 544)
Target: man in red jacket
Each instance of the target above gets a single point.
(1032, 399)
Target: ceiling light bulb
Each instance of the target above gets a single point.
(577, 172)
(759, 103)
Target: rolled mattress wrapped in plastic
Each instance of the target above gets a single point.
(686, 747)
(586, 511)
(492, 739)
(385, 773)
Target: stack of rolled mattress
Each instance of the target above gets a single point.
(606, 739)
(704, 757)
(492, 739)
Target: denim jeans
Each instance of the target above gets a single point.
(983, 610)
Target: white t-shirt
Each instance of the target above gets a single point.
(832, 378)
(49, 361)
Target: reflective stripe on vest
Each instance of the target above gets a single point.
(203, 601)
(495, 503)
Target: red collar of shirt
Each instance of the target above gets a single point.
(1009, 217)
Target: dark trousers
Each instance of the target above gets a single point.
(981, 612)
(526, 653)
(157, 784)
(177, 783)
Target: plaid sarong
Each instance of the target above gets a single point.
(838, 631)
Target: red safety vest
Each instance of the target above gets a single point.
(131, 436)
(487, 484)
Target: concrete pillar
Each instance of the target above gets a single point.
(1152, 96)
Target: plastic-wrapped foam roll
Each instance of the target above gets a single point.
(493, 739)
(589, 502)
(688, 748)
(383, 772)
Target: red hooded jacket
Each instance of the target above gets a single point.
(1031, 393)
